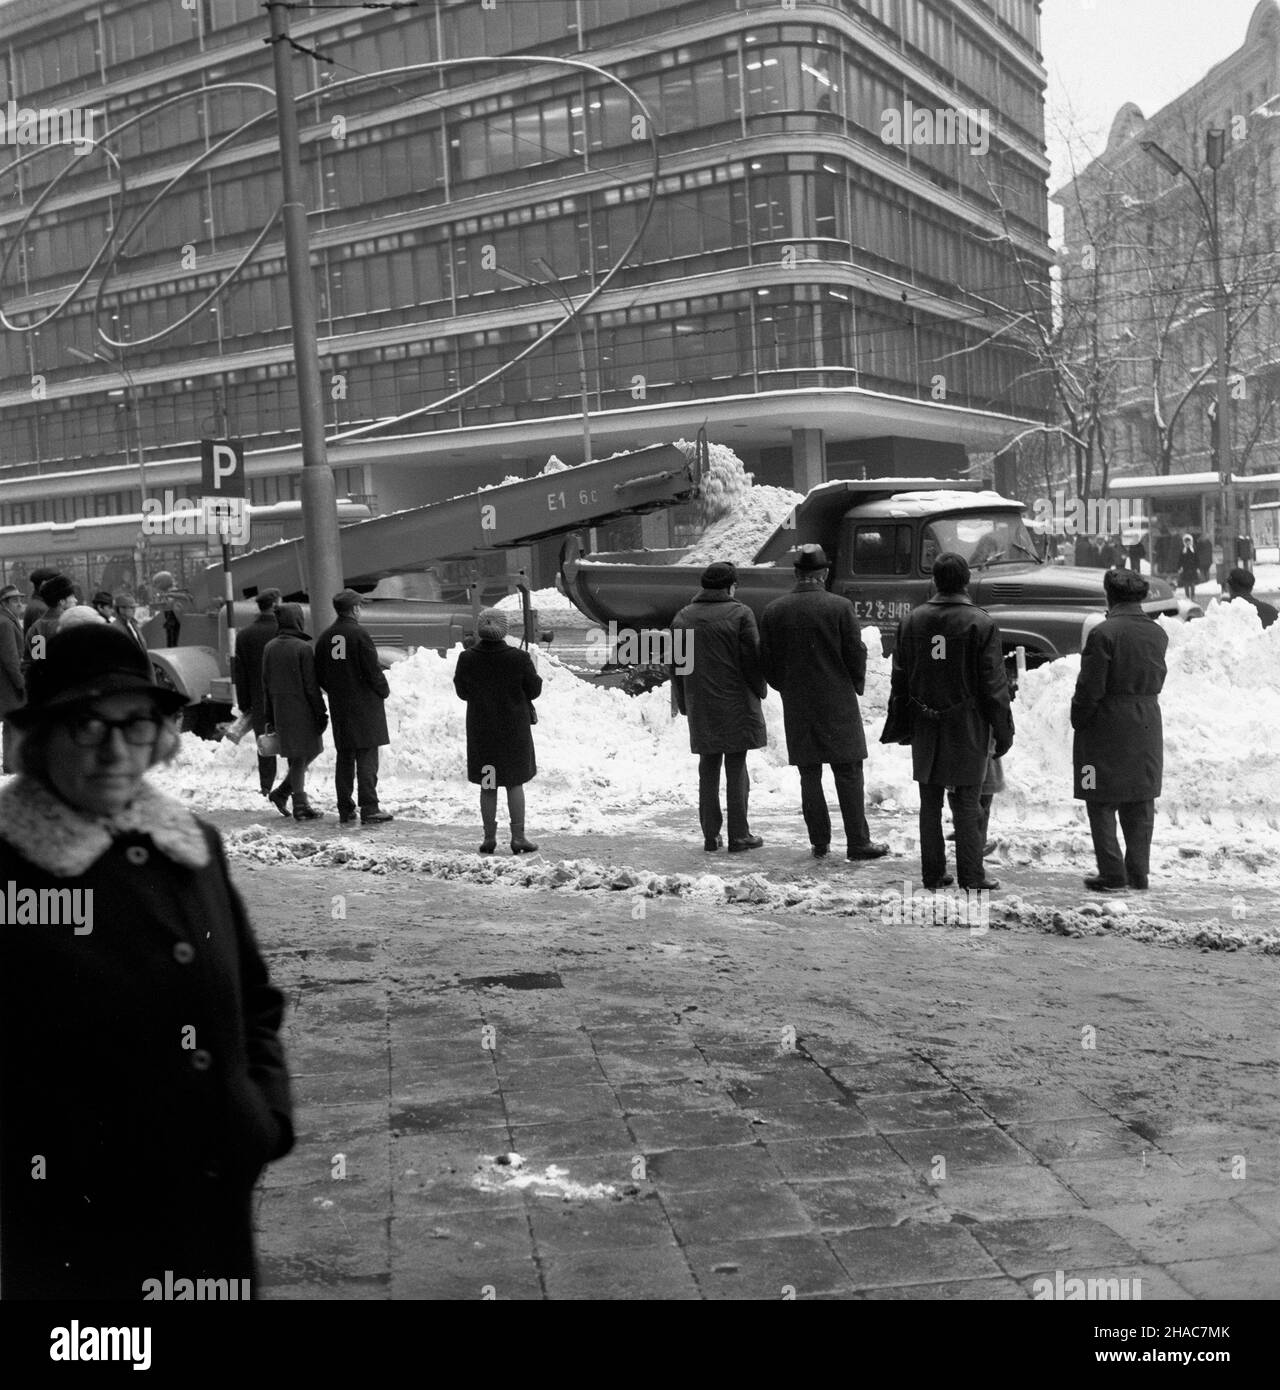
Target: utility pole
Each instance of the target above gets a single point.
(319, 496)
(1215, 147)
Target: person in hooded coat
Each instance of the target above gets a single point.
(719, 685)
(294, 707)
(1189, 567)
(499, 683)
(143, 1085)
(246, 667)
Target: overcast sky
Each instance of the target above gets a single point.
(1102, 53)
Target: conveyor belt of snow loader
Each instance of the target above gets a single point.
(492, 519)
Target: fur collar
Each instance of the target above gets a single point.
(65, 842)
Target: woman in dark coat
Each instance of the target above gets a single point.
(142, 1081)
(499, 684)
(294, 707)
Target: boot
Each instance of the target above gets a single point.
(489, 819)
(280, 797)
(519, 845)
(303, 809)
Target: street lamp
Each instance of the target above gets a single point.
(557, 292)
(132, 431)
(1215, 149)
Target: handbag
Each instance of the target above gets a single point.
(269, 744)
(237, 729)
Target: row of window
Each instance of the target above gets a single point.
(761, 211)
(738, 338)
(106, 44)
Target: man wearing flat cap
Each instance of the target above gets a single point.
(814, 657)
(348, 672)
(719, 685)
(13, 688)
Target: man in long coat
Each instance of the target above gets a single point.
(719, 685)
(348, 671)
(247, 669)
(13, 686)
(1118, 751)
(813, 656)
(948, 698)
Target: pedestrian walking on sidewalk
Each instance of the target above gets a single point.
(350, 675)
(949, 699)
(719, 684)
(294, 708)
(251, 643)
(1118, 750)
(499, 683)
(813, 656)
(143, 1080)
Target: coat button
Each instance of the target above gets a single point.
(135, 854)
(201, 1060)
(213, 1169)
(184, 952)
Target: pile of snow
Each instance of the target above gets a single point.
(738, 517)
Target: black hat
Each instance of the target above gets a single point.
(84, 663)
(811, 557)
(102, 597)
(54, 590)
(345, 601)
(38, 577)
(719, 575)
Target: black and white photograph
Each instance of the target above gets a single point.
(639, 662)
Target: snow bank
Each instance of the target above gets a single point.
(738, 517)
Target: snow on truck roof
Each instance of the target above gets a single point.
(913, 504)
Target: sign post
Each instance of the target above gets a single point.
(224, 490)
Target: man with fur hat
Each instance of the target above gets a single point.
(719, 685)
(814, 657)
(13, 687)
(349, 673)
(36, 606)
(58, 595)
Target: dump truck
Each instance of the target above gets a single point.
(497, 518)
(882, 536)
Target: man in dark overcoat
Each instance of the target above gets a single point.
(1118, 752)
(813, 656)
(1240, 586)
(348, 671)
(247, 670)
(948, 698)
(719, 685)
(13, 685)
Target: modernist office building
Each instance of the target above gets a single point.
(822, 299)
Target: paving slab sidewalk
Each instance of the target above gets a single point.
(714, 1102)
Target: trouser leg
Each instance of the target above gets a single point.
(344, 775)
(709, 814)
(984, 807)
(737, 787)
(933, 848)
(967, 813)
(1106, 847)
(853, 809)
(367, 779)
(813, 804)
(11, 745)
(266, 773)
(1137, 821)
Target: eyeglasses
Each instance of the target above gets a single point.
(141, 730)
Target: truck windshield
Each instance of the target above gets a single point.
(984, 539)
